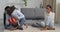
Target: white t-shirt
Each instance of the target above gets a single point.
(17, 14)
(49, 18)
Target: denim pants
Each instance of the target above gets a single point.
(21, 22)
(49, 22)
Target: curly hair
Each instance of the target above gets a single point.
(7, 7)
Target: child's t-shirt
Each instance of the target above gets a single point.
(17, 14)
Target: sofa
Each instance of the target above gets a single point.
(33, 13)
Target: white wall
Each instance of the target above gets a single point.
(58, 10)
(19, 4)
(2, 5)
(33, 3)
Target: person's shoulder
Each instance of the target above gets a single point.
(16, 10)
(52, 12)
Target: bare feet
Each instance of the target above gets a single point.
(26, 25)
(48, 29)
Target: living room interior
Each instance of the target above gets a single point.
(33, 10)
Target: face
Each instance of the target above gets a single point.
(48, 9)
(8, 10)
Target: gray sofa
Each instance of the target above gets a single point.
(33, 13)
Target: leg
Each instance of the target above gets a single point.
(21, 22)
(26, 25)
(47, 24)
(42, 24)
(51, 25)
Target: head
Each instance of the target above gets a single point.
(8, 9)
(13, 8)
(49, 8)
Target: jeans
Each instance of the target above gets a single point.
(49, 22)
(21, 22)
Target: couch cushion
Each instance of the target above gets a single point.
(33, 12)
(28, 12)
(39, 12)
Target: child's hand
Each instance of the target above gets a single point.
(18, 24)
(26, 25)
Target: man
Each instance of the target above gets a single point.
(6, 17)
(49, 19)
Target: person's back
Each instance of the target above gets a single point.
(17, 14)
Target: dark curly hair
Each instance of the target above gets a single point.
(7, 7)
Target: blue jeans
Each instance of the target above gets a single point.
(21, 21)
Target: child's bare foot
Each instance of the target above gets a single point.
(26, 25)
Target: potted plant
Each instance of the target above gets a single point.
(25, 2)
